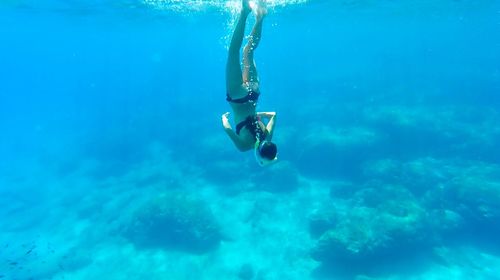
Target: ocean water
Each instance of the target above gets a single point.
(114, 163)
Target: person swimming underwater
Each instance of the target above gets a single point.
(242, 92)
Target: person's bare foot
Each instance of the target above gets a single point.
(261, 9)
(245, 6)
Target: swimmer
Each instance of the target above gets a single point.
(242, 90)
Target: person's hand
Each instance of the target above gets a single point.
(225, 120)
(267, 114)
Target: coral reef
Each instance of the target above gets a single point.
(405, 208)
(373, 227)
(174, 221)
(467, 188)
(474, 193)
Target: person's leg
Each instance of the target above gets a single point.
(233, 67)
(249, 67)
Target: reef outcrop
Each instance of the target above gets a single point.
(174, 221)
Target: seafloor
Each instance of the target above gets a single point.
(115, 166)
(385, 216)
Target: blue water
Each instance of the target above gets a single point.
(114, 163)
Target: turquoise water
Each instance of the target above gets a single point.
(114, 163)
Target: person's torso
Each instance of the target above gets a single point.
(242, 110)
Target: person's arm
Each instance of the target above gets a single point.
(270, 123)
(230, 132)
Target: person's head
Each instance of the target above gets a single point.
(266, 153)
